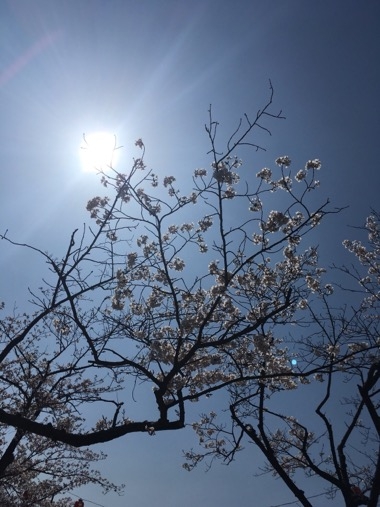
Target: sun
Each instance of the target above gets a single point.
(98, 151)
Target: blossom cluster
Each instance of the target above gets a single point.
(369, 259)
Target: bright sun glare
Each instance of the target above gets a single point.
(97, 151)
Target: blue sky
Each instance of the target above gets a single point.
(150, 69)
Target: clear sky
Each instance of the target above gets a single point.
(150, 69)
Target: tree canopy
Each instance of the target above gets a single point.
(172, 296)
(313, 434)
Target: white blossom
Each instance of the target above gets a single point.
(177, 264)
(301, 175)
(168, 180)
(205, 223)
(131, 259)
(313, 164)
(200, 173)
(265, 174)
(283, 161)
(255, 205)
(275, 221)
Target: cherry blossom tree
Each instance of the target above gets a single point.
(313, 436)
(126, 312)
(39, 385)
